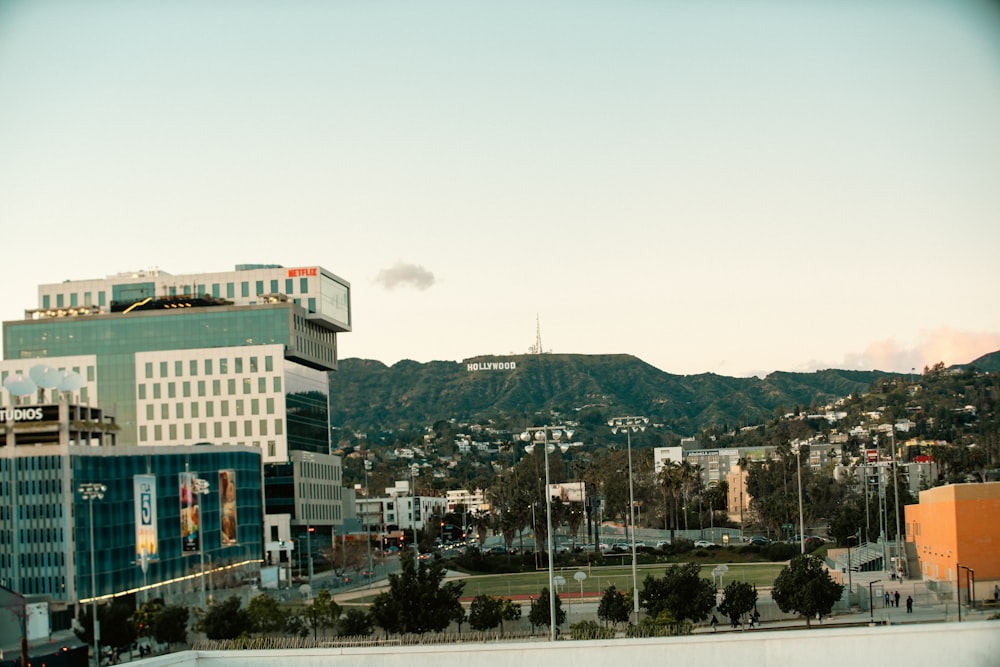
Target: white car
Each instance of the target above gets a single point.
(703, 544)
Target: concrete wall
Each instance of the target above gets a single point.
(967, 644)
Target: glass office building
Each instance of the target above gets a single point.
(45, 538)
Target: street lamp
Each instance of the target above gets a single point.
(90, 491)
(802, 523)
(307, 457)
(414, 501)
(201, 488)
(871, 602)
(548, 437)
(629, 424)
(368, 521)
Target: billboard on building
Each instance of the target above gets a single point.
(227, 506)
(146, 539)
(567, 492)
(190, 516)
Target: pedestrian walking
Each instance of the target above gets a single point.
(885, 599)
(715, 623)
(909, 604)
(896, 598)
(996, 593)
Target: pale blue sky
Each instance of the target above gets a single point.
(728, 187)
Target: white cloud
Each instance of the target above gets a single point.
(405, 275)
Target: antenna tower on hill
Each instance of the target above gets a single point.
(537, 347)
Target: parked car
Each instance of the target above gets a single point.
(662, 543)
(703, 544)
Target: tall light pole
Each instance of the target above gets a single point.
(548, 437)
(91, 491)
(307, 457)
(413, 511)
(802, 522)
(368, 521)
(895, 500)
(201, 488)
(630, 424)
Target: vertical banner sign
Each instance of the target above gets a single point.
(227, 506)
(190, 519)
(145, 516)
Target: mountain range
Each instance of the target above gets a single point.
(368, 395)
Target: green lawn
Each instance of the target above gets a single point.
(599, 578)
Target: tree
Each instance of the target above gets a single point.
(418, 599)
(484, 612)
(116, 630)
(225, 620)
(613, 607)
(170, 625)
(738, 598)
(265, 615)
(323, 612)
(355, 623)
(509, 612)
(805, 587)
(145, 616)
(539, 614)
(682, 592)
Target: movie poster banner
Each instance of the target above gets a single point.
(227, 506)
(146, 538)
(190, 517)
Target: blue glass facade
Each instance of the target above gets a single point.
(45, 536)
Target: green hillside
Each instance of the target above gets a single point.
(370, 395)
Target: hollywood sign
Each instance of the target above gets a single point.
(491, 366)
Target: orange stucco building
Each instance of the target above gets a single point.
(954, 525)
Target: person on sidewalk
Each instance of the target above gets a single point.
(885, 599)
(909, 604)
(715, 623)
(896, 597)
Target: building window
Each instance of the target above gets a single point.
(216, 387)
(60, 301)
(245, 289)
(101, 298)
(274, 287)
(239, 407)
(232, 429)
(269, 406)
(142, 392)
(312, 304)
(156, 390)
(149, 369)
(272, 450)
(172, 431)
(164, 411)
(303, 285)
(193, 367)
(260, 287)
(255, 406)
(180, 410)
(178, 369)
(263, 427)
(261, 385)
(186, 389)
(208, 367)
(238, 365)
(289, 285)
(277, 384)
(194, 409)
(253, 364)
(210, 409)
(88, 299)
(230, 290)
(231, 387)
(223, 366)
(216, 430)
(163, 369)
(279, 427)
(246, 386)
(150, 414)
(201, 387)
(187, 431)
(216, 292)
(142, 437)
(46, 301)
(171, 390)
(247, 427)
(269, 364)
(157, 433)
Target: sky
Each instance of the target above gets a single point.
(729, 187)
